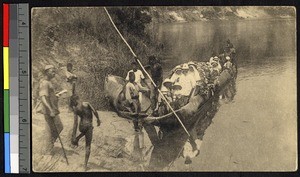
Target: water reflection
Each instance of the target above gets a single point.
(174, 143)
(254, 40)
(266, 63)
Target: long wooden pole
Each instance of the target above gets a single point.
(62, 146)
(146, 72)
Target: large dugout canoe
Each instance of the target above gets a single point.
(196, 106)
(114, 86)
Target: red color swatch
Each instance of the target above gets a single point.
(5, 25)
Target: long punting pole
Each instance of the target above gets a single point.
(146, 72)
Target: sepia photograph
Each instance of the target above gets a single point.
(164, 89)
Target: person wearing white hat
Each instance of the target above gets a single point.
(166, 90)
(49, 100)
(187, 83)
(193, 72)
(213, 64)
(211, 59)
(177, 73)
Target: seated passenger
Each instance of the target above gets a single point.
(177, 73)
(187, 83)
(132, 93)
(176, 95)
(215, 70)
(217, 59)
(132, 97)
(193, 71)
(139, 76)
(211, 59)
(228, 64)
(166, 90)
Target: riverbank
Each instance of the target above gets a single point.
(111, 149)
(208, 13)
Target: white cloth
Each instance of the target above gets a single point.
(138, 76)
(187, 82)
(195, 74)
(174, 77)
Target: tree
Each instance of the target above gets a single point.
(132, 19)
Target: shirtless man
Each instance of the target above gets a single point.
(85, 111)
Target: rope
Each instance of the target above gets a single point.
(146, 72)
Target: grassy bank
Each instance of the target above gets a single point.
(86, 38)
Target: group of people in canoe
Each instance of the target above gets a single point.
(179, 85)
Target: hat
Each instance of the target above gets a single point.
(178, 67)
(213, 62)
(216, 59)
(176, 86)
(227, 58)
(192, 63)
(167, 83)
(185, 66)
(48, 67)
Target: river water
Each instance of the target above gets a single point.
(257, 130)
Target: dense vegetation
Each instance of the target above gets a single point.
(86, 38)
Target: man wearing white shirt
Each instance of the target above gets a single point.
(139, 76)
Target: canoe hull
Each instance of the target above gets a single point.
(189, 113)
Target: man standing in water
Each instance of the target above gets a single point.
(85, 111)
(50, 109)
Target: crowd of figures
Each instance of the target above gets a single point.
(176, 89)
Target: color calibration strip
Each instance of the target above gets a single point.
(7, 164)
(16, 88)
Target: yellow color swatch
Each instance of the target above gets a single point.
(6, 67)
